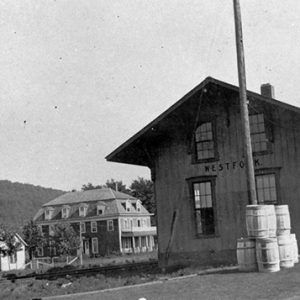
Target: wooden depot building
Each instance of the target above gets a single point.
(195, 153)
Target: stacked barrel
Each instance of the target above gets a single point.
(269, 244)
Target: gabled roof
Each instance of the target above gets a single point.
(130, 151)
(18, 237)
(88, 196)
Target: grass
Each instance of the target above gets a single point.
(222, 285)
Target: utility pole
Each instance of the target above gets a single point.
(244, 103)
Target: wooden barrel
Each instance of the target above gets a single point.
(261, 221)
(246, 255)
(283, 220)
(267, 255)
(295, 247)
(286, 251)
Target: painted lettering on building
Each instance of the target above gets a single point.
(228, 166)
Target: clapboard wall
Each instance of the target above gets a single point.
(174, 166)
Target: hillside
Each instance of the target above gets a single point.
(19, 202)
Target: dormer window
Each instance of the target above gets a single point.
(65, 212)
(100, 209)
(138, 206)
(83, 210)
(128, 205)
(49, 213)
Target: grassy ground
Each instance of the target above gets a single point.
(232, 285)
(227, 285)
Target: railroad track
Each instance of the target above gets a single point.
(106, 270)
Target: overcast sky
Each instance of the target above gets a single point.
(78, 78)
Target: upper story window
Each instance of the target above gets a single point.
(49, 213)
(204, 142)
(266, 188)
(110, 225)
(203, 196)
(51, 230)
(139, 223)
(83, 210)
(65, 212)
(93, 226)
(82, 227)
(259, 139)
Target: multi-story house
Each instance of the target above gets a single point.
(107, 222)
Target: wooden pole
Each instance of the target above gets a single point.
(243, 102)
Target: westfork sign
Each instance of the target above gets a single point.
(228, 166)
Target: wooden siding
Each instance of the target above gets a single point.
(173, 167)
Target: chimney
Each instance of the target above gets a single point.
(267, 90)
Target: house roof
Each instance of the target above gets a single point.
(88, 196)
(18, 237)
(113, 201)
(134, 151)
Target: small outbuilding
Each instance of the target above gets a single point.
(196, 156)
(15, 261)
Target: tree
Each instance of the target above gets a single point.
(116, 185)
(8, 238)
(142, 189)
(90, 186)
(33, 237)
(65, 239)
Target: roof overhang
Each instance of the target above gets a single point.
(135, 150)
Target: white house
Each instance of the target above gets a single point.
(15, 261)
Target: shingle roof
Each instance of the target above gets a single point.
(113, 201)
(87, 196)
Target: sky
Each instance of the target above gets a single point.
(80, 77)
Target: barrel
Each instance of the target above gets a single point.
(283, 219)
(267, 255)
(260, 221)
(246, 255)
(286, 251)
(295, 247)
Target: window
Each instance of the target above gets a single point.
(203, 196)
(204, 142)
(266, 188)
(82, 210)
(110, 225)
(40, 251)
(51, 230)
(128, 204)
(139, 223)
(126, 243)
(13, 258)
(65, 212)
(48, 213)
(100, 209)
(138, 206)
(93, 226)
(82, 227)
(259, 139)
(95, 245)
(125, 223)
